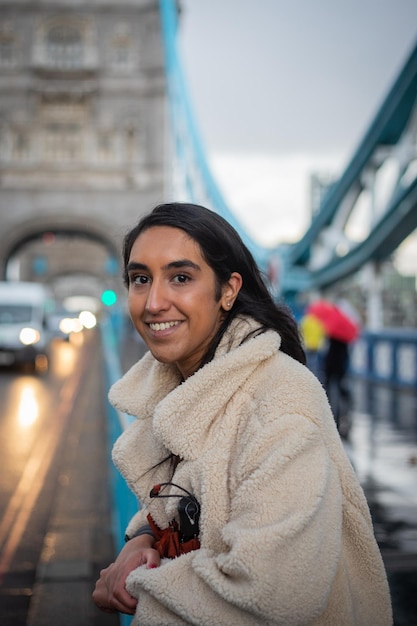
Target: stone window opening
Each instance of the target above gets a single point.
(20, 144)
(64, 47)
(63, 141)
(105, 145)
(8, 46)
(121, 49)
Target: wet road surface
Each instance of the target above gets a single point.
(55, 519)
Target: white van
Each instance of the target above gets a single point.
(24, 332)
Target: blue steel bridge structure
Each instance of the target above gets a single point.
(380, 180)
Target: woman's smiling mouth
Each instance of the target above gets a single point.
(162, 325)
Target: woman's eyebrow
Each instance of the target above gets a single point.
(181, 263)
(134, 265)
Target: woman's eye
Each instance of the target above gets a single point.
(181, 278)
(140, 279)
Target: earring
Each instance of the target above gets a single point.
(228, 304)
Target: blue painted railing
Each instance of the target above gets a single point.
(124, 503)
(388, 357)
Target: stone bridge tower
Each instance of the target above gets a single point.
(83, 133)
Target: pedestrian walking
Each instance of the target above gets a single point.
(342, 327)
(314, 338)
(251, 513)
(335, 366)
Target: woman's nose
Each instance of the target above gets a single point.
(156, 300)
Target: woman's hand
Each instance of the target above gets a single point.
(110, 594)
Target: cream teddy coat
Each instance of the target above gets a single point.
(285, 530)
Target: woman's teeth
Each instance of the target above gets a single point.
(162, 325)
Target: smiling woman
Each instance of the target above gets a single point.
(173, 300)
(250, 504)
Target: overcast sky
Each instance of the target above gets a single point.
(281, 88)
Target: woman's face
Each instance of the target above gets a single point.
(172, 297)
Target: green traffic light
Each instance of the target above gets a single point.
(109, 297)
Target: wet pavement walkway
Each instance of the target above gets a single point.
(382, 446)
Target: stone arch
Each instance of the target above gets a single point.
(93, 245)
(32, 227)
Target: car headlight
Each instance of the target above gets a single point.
(65, 325)
(87, 319)
(29, 336)
(70, 325)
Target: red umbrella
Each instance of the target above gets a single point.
(335, 321)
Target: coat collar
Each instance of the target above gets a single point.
(183, 413)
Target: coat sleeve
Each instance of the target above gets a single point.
(138, 521)
(283, 541)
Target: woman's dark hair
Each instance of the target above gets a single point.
(225, 252)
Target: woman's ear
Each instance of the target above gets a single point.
(231, 290)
